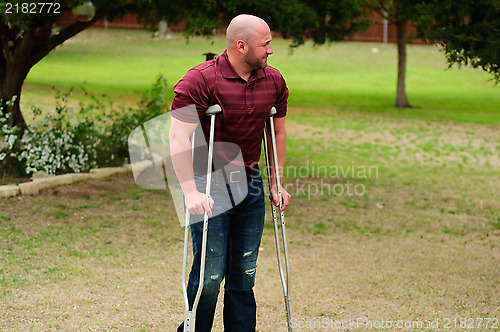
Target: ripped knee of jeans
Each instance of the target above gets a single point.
(247, 254)
(251, 272)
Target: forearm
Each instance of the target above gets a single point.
(182, 160)
(181, 153)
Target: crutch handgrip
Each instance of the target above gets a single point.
(214, 109)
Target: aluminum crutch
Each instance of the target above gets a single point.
(190, 315)
(284, 282)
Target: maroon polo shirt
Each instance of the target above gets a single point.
(245, 105)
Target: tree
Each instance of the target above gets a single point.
(299, 20)
(469, 32)
(401, 13)
(327, 20)
(26, 36)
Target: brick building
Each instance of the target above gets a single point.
(374, 34)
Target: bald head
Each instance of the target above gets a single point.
(248, 44)
(245, 27)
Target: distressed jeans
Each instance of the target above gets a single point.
(233, 241)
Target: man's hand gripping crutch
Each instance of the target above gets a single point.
(279, 198)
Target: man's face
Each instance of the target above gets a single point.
(259, 48)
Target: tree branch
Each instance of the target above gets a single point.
(62, 36)
(381, 6)
(72, 30)
(380, 11)
(388, 10)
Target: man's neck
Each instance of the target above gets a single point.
(241, 68)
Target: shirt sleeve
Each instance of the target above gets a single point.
(191, 97)
(282, 97)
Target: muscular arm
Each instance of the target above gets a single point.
(182, 160)
(180, 150)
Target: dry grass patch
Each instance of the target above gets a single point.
(405, 141)
(113, 262)
(419, 244)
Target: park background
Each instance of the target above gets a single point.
(419, 244)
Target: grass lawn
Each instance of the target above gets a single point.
(347, 76)
(394, 214)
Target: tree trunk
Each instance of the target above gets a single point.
(11, 84)
(401, 99)
(20, 52)
(14, 68)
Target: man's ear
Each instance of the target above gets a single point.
(241, 46)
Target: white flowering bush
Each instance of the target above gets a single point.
(62, 142)
(9, 135)
(57, 151)
(70, 140)
(58, 143)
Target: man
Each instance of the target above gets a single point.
(246, 88)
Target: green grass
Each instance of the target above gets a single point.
(342, 76)
(418, 239)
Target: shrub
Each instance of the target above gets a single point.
(9, 135)
(113, 148)
(77, 140)
(62, 142)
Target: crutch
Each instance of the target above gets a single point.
(285, 282)
(190, 315)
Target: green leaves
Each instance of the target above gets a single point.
(23, 14)
(469, 33)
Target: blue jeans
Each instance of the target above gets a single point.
(233, 241)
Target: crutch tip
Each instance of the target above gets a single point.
(272, 111)
(214, 109)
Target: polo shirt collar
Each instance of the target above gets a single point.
(228, 71)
